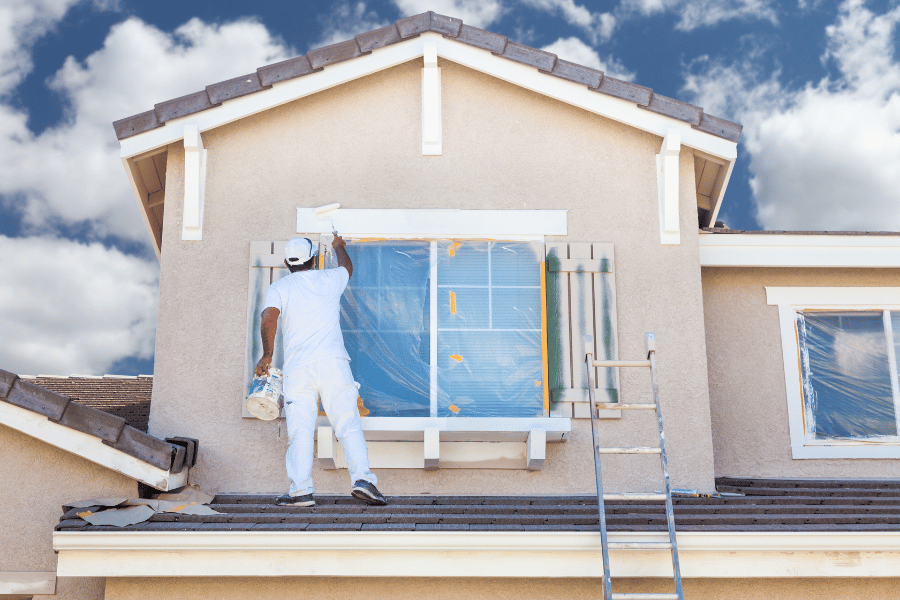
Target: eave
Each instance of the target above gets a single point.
(848, 250)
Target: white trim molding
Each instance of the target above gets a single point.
(26, 583)
(438, 223)
(787, 250)
(722, 554)
(667, 188)
(89, 447)
(790, 300)
(194, 183)
(432, 130)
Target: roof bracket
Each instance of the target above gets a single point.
(194, 183)
(431, 103)
(667, 187)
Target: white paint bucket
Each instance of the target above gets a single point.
(265, 399)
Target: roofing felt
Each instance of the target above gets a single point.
(111, 429)
(125, 397)
(751, 505)
(410, 27)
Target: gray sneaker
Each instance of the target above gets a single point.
(288, 500)
(368, 493)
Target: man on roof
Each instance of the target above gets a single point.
(316, 365)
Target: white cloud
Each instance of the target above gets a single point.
(575, 50)
(702, 13)
(70, 308)
(346, 21)
(599, 26)
(477, 13)
(71, 172)
(827, 156)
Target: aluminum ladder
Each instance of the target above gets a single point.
(650, 345)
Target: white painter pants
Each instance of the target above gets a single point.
(331, 380)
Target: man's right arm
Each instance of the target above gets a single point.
(343, 258)
(267, 330)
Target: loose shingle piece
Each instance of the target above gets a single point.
(743, 505)
(410, 27)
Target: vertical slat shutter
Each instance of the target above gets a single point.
(581, 301)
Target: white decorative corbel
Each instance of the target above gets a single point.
(194, 183)
(536, 449)
(431, 103)
(667, 186)
(432, 448)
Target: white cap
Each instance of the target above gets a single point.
(299, 250)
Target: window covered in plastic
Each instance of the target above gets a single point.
(849, 374)
(445, 328)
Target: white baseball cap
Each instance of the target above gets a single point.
(299, 250)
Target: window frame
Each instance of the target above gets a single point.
(793, 300)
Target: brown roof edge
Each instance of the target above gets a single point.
(317, 59)
(112, 430)
(725, 230)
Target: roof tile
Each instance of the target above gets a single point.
(286, 69)
(36, 399)
(529, 56)
(577, 73)
(335, 53)
(179, 107)
(379, 38)
(136, 124)
(444, 24)
(144, 447)
(720, 127)
(675, 108)
(626, 90)
(480, 38)
(234, 88)
(414, 25)
(92, 421)
(7, 380)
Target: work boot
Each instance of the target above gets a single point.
(368, 493)
(303, 501)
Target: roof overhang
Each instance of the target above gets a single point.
(799, 250)
(706, 146)
(721, 554)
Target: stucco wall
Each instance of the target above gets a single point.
(748, 401)
(500, 589)
(360, 145)
(38, 480)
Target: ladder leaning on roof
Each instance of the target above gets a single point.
(650, 345)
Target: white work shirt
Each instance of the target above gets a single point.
(310, 304)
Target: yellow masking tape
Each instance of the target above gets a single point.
(453, 303)
(456, 357)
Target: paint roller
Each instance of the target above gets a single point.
(324, 212)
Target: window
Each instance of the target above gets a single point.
(840, 355)
(445, 328)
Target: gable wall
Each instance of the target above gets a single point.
(360, 145)
(746, 373)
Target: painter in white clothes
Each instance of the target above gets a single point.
(316, 367)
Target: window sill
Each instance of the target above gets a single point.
(449, 443)
(846, 450)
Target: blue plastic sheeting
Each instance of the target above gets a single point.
(846, 374)
(487, 328)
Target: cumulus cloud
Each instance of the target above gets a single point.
(70, 308)
(575, 50)
(345, 21)
(599, 26)
(825, 156)
(477, 13)
(70, 174)
(702, 13)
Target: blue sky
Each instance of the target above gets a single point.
(816, 85)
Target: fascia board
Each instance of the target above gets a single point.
(749, 250)
(731, 554)
(88, 447)
(475, 58)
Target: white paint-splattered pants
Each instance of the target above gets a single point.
(331, 380)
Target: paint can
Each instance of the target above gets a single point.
(265, 399)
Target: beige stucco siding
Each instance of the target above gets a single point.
(539, 589)
(38, 480)
(360, 145)
(746, 373)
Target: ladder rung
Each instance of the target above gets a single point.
(645, 597)
(621, 363)
(634, 496)
(617, 406)
(640, 545)
(629, 450)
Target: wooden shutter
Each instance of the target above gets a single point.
(581, 300)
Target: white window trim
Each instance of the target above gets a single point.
(790, 300)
